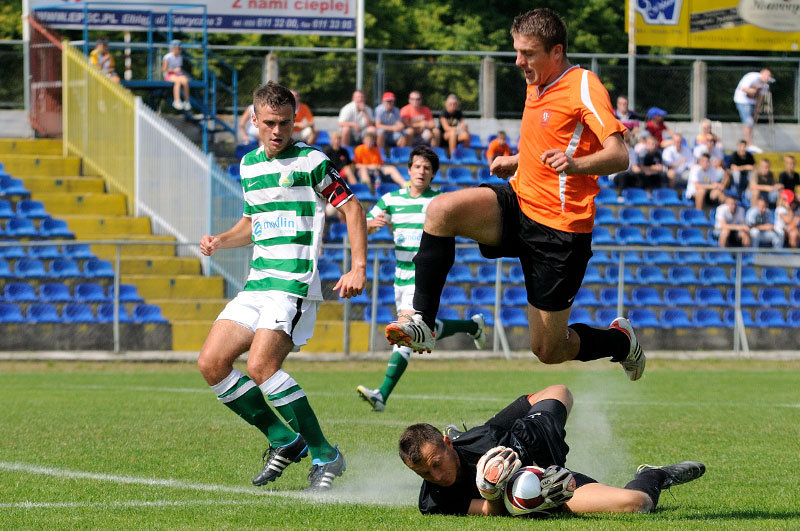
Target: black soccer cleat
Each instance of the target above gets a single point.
(676, 474)
(321, 474)
(277, 459)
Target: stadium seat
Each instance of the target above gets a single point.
(601, 258)
(644, 317)
(90, 292)
(19, 292)
(445, 188)
(488, 314)
(20, 228)
(386, 294)
(484, 175)
(604, 181)
(460, 175)
(606, 196)
(650, 275)
(12, 186)
(515, 297)
(365, 297)
(793, 318)
(10, 313)
(323, 138)
(690, 258)
(635, 197)
(13, 252)
(660, 236)
(105, 313)
(336, 232)
(78, 250)
(381, 235)
(234, 171)
(612, 275)
(78, 312)
(465, 156)
(43, 313)
(488, 273)
(383, 314)
(30, 268)
(399, 155)
(692, 237)
(707, 317)
(45, 252)
(96, 268)
(666, 197)
(54, 292)
(475, 142)
(675, 318)
(515, 275)
(662, 216)
(770, 317)
(30, 208)
(749, 276)
(453, 295)
(605, 216)
(747, 295)
(586, 297)
(694, 218)
(55, 228)
(772, 297)
(442, 154)
(709, 297)
(714, 275)
(5, 209)
(5, 269)
(632, 216)
(65, 267)
(728, 319)
(148, 313)
(646, 297)
(605, 316)
(608, 297)
(482, 295)
(362, 192)
(460, 273)
(657, 257)
(678, 297)
(602, 236)
(243, 150)
(513, 317)
(794, 296)
(385, 188)
(329, 270)
(681, 276)
(448, 313)
(630, 236)
(720, 258)
(775, 276)
(581, 315)
(386, 271)
(469, 254)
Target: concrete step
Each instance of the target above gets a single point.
(29, 146)
(64, 184)
(176, 286)
(190, 309)
(190, 335)
(109, 251)
(160, 265)
(59, 204)
(82, 225)
(330, 311)
(23, 165)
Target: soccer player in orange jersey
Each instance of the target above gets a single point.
(544, 215)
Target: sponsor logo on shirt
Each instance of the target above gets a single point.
(286, 180)
(275, 224)
(545, 118)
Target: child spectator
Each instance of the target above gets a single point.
(172, 67)
(787, 218)
(340, 157)
(498, 147)
(103, 60)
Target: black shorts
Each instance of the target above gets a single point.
(553, 261)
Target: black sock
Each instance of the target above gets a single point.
(432, 263)
(648, 481)
(599, 343)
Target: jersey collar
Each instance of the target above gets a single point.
(542, 90)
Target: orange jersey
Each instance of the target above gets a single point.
(572, 114)
(496, 149)
(364, 155)
(302, 112)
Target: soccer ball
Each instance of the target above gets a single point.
(524, 491)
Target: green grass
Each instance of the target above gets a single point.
(148, 446)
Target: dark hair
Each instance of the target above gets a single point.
(426, 153)
(544, 24)
(273, 95)
(414, 437)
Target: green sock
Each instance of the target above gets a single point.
(242, 395)
(288, 415)
(398, 362)
(284, 393)
(448, 327)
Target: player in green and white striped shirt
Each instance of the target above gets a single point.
(286, 186)
(405, 211)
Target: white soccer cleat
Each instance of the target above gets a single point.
(480, 336)
(373, 397)
(635, 361)
(411, 332)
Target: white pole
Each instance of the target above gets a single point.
(128, 75)
(631, 54)
(26, 58)
(360, 44)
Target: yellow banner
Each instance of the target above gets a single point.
(726, 24)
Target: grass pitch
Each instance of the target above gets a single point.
(148, 446)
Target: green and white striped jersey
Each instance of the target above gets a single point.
(407, 216)
(285, 199)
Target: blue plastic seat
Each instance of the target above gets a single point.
(12, 186)
(772, 297)
(244, 149)
(748, 298)
(385, 188)
(749, 276)
(45, 252)
(630, 236)
(707, 317)
(65, 267)
(692, 237)
(776, 275)
(5, 209)
(720, 258)
(644, 317)
(445, 188)
(602, 236)
(601, 258)
(675, 318)
(663, 216)
(658, 257)
(728, 318)
(650, 275)
(442, 154)
(460, 175)
(43, 312)
(21, 228)
(386, 294)
(694, 218)
(54, 292)
(515, 297)
(386, 271)
(681, 275)
(488, 313)
(514, 317)
(604, 316)
(329, 270)
(460, 273)
(399, 155)
(714, 275)
(105, 313)
(793, 318)
(488, 273)
(13, 252)
(666, 197)
(605, 216)
(148, 313)
(612, 275)
(586, 297)
(5, 269)
(19, 292)
(678, 297)
(90, 292)
(606, 196)
(482, 295)
(465, 156)
(323, 138)
(30, 208)
(469, 254)
(608, 297)
(475, 142)
(632, 216)
(447, 312)
(383, 314)
(580, 315)
(10, 313)
(660, 236)
(646, 296)
(484, 175)
(30, 268)
(55, 228)
(381, 235)
(452, 295)
(794, 296)
(336, 231)
(362, 192)
(78, 250)
(234, 171)
(96, 268)
(78, 312)
(635, 197)
(770, 317)
(690, 258)
(710, 297)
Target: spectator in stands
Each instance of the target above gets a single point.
(355, 119)
(172, 68)
(340, 157)
(750, 88)
(625, 115)
(657, 127)
(452, 126)
(248, 132)
(303, 122)
(729, 226)
(498, 147)
(101, 58)
(640, 146)
(762, 230)
(789, 179)
(678, 159)
(632, 176)
(420, 125)
(705, 130)
(709, 145)
(763, 184)
(787, 218)
(388, 123)
(653, 169)
(742, 163)
(706, 183)
(369, 164)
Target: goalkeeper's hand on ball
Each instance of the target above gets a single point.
(493, 471)
(558, 486)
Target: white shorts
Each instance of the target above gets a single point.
(404, 297)
(273, 310)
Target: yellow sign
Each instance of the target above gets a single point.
(728, 24)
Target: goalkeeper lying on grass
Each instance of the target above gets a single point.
(460, 470)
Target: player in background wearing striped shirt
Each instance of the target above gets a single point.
(405, 210)
(544, 215)
(286, 186)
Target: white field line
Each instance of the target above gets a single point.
(123, 504)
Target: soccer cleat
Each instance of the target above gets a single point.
(373, 397)
(411, 332)
(277, 459)
(677, 474)
(452, 432)
(635, 360)
(177, 104)
(321, 474)
(187, 106)
(480, 336)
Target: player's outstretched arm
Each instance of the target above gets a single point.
(238, 236)
(612, 158)
(504, 166)
(352, 282)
